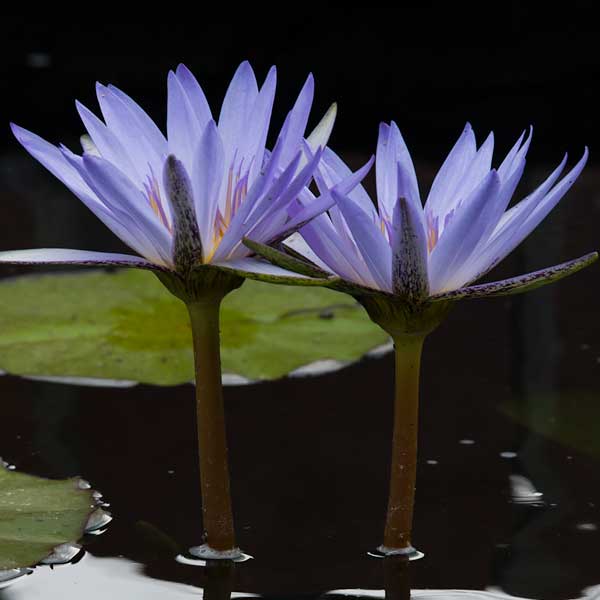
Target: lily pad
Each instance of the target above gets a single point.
(39, 515)
(124, 325)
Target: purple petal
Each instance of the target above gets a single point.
(371, 242)
(207, 176)
(391, 154)
(235, 111)
(127, 202)
(183, 127)
(532, 211)
(258, 126)
(144, 123)
(123, 122)
(332, 171)
(56, 162)
(409, 252)
(508, 165)
(62, 256)
(451, 172)
(106, 141)
(522, 283)
(297, 120)
(194, 94)
(462, 233)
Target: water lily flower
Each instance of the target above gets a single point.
(407, 263)
(184, 202)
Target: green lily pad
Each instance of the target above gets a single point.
(37, 515)
(124, 325)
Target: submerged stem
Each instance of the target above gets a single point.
(398, 527)
(212, 441)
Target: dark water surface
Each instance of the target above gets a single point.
(510, 407)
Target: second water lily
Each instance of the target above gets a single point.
(407, 263)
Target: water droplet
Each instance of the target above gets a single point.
(466, 442)
(508, 454)
(97, 522)
(432, 462)
(586, 527)
(63, 554)
(523, 491)
(9, 576)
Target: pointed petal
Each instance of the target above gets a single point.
(123, 122)
(409, 253)
(297, 120)
(373, 246)
(392, 154)
(183, 127)
(253, 148)
(107, 143)
(522, 283)
(524, 218)
(194, 94)
(144, 123)
(319, 136)
(187, 247)
(451, 173)
(207, 176)
(127, 202)
(296, 245)
(235, 111)
(63, 256)
(462, 233)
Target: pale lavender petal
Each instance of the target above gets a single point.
(63, 256)
(462, 233)
(522, 283)
(124, 123)
(373, 246)
(195, 95)
(236, 108)
(56, 162)
(332, 170)
(505, 240)
(527, 204)
(106, 141)
(451, 172)
(253, 210)
(126, 202)
(146, 125)
(393, 154)
(258, 126)
(297, 121)
(508, 164)
(183, 128)
(207, 176)
(408, 242)
(475, 173)
(123, 225)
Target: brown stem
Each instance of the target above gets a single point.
(212, 441)
(398, 527)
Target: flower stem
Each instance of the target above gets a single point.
(212, 441)
(398, 527)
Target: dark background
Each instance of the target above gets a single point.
(535, 72)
